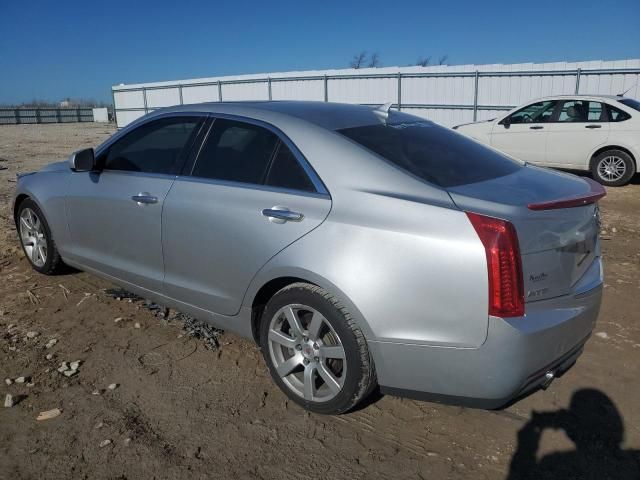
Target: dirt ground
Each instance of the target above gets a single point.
(182, 411)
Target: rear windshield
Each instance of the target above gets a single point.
(433, 153)
(630, 102)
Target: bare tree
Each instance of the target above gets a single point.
(358, 60)
(423, 61)
(443, 59)
(374, 61)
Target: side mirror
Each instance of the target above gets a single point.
(506, 122)
(82, 160)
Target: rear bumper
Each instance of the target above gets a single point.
(513, 361)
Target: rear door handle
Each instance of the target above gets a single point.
(536, 127)
(144, 198)
(281, 215)
(593, 126)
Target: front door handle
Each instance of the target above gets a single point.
(593, 126)
(536, 127)
(144, 198)
(282, 214)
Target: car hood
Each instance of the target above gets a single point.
(60, 166)
(481, 122)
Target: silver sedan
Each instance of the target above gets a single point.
(359, 246)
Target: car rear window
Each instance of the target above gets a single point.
(630, 102)
(433, 153)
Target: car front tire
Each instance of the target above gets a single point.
(613, 168)
(314, 350)
(36, 239)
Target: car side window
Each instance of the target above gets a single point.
(236, 151)
(535, 113)
(582, 111)
(155, 147)
(286, 172)
(617, 115)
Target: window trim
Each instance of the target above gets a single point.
(187, 170)
(104, 148)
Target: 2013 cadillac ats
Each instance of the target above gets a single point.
(358, 246)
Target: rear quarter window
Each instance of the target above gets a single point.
(433, 153)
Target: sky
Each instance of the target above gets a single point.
(51, 50)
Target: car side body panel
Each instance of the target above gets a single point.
(113, 233)
(410, 257)
(216, 238)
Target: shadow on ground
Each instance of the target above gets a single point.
(595, 426)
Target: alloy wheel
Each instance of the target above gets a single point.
(611, 168)
(307, 353)
(33, 237)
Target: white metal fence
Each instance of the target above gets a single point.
(446, 94)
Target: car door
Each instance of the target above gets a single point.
(115, 213)
(576, 130)
(249, 194)
(523, 134)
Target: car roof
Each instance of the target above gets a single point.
(583, 96)
(329, 115)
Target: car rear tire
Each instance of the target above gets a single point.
(613, 168)
(315, 352)
(36, 239)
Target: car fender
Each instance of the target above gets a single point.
(48, 191)
(283, 266)
(617, 142)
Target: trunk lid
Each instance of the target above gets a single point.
(558, 244)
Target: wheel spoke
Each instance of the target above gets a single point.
(282, 339)
(42, 253)
(329, 378)
(289, 366)
(27, 240)
(25, 223)
(309, 382)
(332, 352)
(34, 253)
(315, 325)
(612, 168)
(294, 322)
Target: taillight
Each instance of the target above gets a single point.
(500, 240)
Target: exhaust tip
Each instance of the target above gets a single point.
(548, 378)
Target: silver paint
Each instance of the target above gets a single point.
(399, 253)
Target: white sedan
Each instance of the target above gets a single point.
(595, 133)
